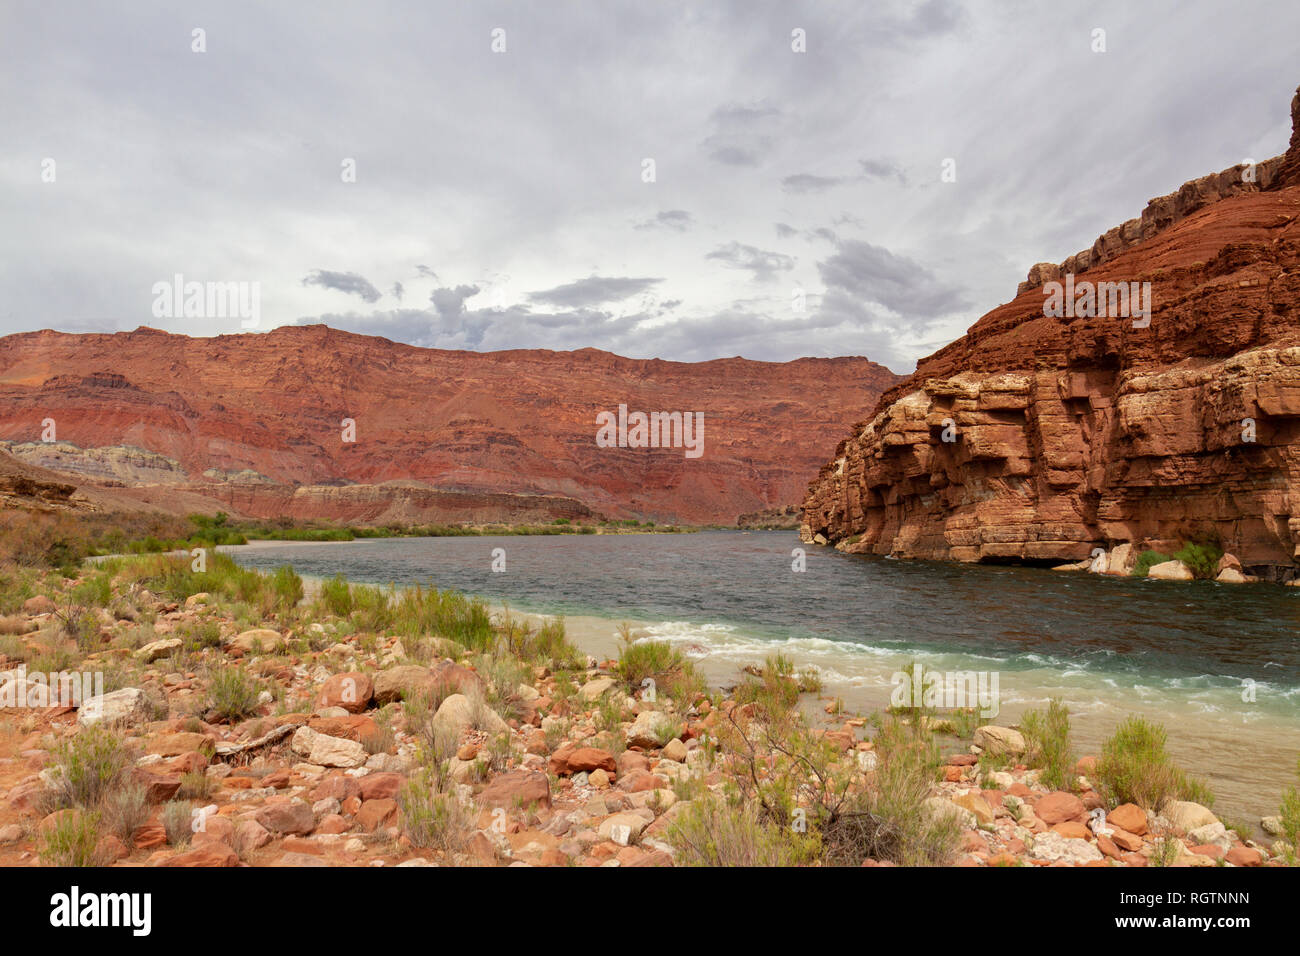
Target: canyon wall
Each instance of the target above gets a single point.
(1036, 438)
(256, 422)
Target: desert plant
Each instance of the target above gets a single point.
(178, 821)
(126, 808)
(72, 840)
(1146, 561)
(1135, 768)
(86, 768)
(232, 694)
(1047, 740)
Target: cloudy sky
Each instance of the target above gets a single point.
(658, 179)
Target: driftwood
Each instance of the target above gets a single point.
(233, 750)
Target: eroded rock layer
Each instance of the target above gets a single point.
(1040, 438)
(258, 421)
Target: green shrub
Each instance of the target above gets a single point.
(1047, 740)
(1202, 559)
(1135, 768)
(88, 767)
(232, 694)
(714, 831)
(286, 587)
(178, 821)
(1291, 814)
(432, 817)
(72, 841)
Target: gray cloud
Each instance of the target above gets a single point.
(594, 290)
(676, 219)
(760, 262)
(247, 140)
(348, 282)
(808, 183)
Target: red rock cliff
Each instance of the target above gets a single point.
(1066, 434)
(499, 424)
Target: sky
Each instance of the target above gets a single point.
(686, 181)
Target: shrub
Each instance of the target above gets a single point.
(72, 841)
(336, 596)
(126, 809)
(1047, 740)
(88, 767)
(232, 694)
(178, 821)
(286, 588)
(718, 832)
(1202, 559)
(1146, 560)
(432, 817)
(1135, 768)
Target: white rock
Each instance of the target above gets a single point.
(126, 706)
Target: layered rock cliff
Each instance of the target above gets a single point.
(257, 421)
(1040, 438)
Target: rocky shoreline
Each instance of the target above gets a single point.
(253, 724)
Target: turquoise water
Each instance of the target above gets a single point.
(1219, 664)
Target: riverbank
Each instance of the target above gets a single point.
(1107, 645)
(344, 726)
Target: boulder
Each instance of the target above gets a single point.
(525, 786)
(155, 650)
(128, 706)
(402, 683)
(1060, 807)
(1186, 815)
(648, 729)
(326, 751)
(259, 640)
(458, 713)
(1130, 817)
(352, 691)
(1170, 571)
(995, 740)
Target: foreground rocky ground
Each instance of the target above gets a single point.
(307, 741)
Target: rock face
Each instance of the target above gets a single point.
(1041, 438)
(256, 423)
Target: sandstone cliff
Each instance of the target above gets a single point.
(1039, 438)
(256, 421)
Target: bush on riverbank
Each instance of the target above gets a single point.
(1135, 768)
(1047, 739)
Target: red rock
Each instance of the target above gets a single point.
(250, 835)
(352, 691)
(630, 760)
(286, 817)
(1019, 790)
(1207, 849)
(214, 829)
(1003, 859)
(1085, 766)
(586, 759)
(1125, 840)
(1060, 807)
(961, 760)
(379, 786)
(110, 849)
(1108, 848)
(332, 823)
(376, 813)
(525, 786)
(993, 798)
(210, 854)
(337, 787)
(1073, 830)
(1130, 817)
(776, 419)
(1245, 856)
(353, 727)
(158, 788)
(952, 774)
(149, 835)
(1051, 450)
